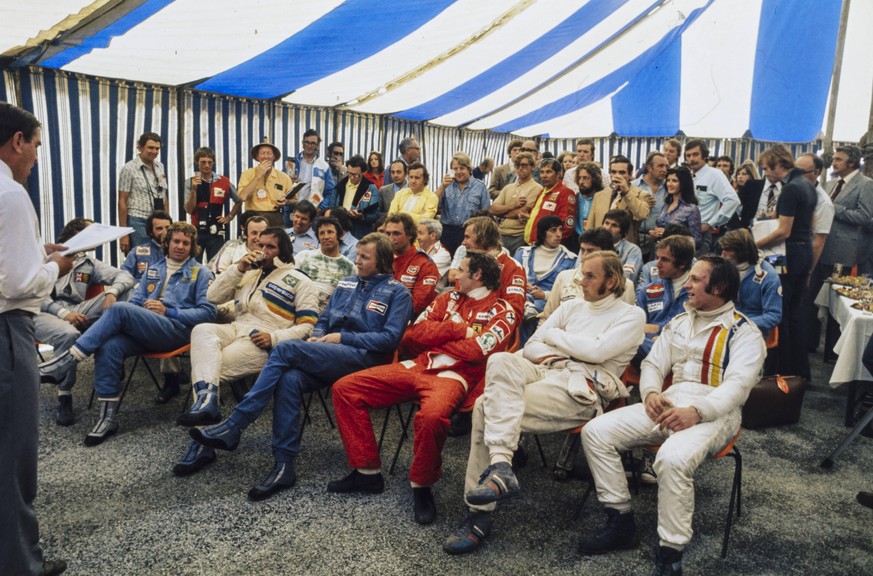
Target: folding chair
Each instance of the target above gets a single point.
(179, 352)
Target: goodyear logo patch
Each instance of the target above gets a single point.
(349, 284)
(143, 251)
(515, 290)
(378, 307)
(407, 279)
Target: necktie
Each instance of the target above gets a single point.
(837, 189)
(771, 198)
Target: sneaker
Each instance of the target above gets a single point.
(423, 505)
(281, 477)
(196, 459)
(498, 482)
(357, 482)
(620, 534)
(205, 410)
(65, 416)
(55, 370)
(647, 473)
(668, 562)
(106, 424)
(170, 389)
(470, 534)
(224, 436)
(53, 567)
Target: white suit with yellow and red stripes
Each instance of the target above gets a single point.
(283, 303)
(715, 359)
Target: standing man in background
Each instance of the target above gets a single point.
(263, 188)
(142, 189)
(27, 276)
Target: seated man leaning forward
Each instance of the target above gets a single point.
(360, 328)
(452, 339)
(569, 372)
(714, 354)
(68, 310)
(274, 302)
(169, 301)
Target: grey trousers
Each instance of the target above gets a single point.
(19, 435)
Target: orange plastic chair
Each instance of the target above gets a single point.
(144, 356)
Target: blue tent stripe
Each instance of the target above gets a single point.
(527, 58)
(656, 87)
(76, 130)
(336, 40)
(102, 38)
(790, 49)
(603, 87)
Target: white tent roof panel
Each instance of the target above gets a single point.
(717, 68)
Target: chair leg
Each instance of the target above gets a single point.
(151, 373)
(321, 399)
(384, 426)
(736, 497)
(583, 500)
(540, 449)
(403, 434)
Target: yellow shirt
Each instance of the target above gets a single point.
(273, 188)
(349, 195)
(424, 204)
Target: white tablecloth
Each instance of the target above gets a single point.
(856, 328)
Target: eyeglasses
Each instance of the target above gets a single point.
(523, 165)
(310, 142)
(337, 153)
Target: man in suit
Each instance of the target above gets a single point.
(620, 194)
(852, 195)
(397, 171)
(503, 174)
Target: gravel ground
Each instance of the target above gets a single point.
(117, 508)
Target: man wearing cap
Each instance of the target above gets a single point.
(263, 188)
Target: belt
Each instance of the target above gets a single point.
(18, 313)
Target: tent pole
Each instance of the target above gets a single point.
(835, 84)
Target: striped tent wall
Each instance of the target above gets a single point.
(360, 134)
(91, 126)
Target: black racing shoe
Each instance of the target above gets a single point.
(461, 424)
(281, 477)
(423, 506)
(53, 567)
(224, 435)
(470, 534)
(65, 415)
(170, 389)
(668, 562)
(498, 482)
(620, 534)
(196, 458)
(357, 482)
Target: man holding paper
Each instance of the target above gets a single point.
(794, 210)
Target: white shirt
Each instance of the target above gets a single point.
(26, 279)
(823, 217)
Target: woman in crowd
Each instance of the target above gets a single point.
(747, 171)
(680, 206)
(376, 169)
(567, 160)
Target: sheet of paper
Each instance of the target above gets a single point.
(93, 236)
(762, 228)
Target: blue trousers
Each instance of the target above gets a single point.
(139, 236)
(125, 330)
(293, 369)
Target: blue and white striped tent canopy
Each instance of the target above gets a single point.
(557, 68)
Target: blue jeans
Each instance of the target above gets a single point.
(139, 235)
(125, 330)
(294, 368)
